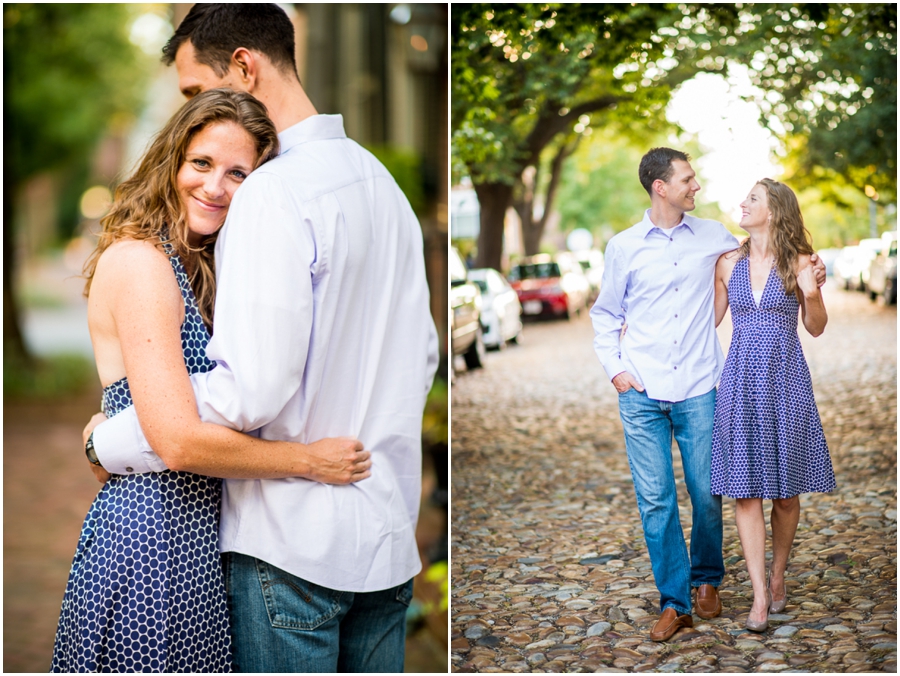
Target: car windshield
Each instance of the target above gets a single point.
(481, 285)
(534, 271)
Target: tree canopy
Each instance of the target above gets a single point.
(527, 79)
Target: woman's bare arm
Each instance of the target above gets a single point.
(812, 307)
(145, 302)
(723, 271)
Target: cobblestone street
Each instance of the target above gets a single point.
(549, 568)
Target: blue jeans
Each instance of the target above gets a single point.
(649, 426)
(281, 623)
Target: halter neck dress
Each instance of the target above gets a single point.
(767, 436)
(145, 591)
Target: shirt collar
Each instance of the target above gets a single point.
(647, 225)
(314, 128)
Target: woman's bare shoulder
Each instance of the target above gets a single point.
(129, 257)
(727, 260)
(134, 267)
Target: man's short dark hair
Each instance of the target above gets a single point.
(217, 29)
(657, 164)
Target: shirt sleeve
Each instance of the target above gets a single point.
(728, 241)
(121, 447)
(265, 258)
(607, 314)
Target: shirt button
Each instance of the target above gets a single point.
(129, 469)
(676, 342)
(676, 316)
(676, 263)
(676, 288)
(670, 239)
(676, 368)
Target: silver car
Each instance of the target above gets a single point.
(501, 313)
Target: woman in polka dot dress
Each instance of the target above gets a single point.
(767, 440)
(145, 591)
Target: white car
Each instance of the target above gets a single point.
(501, 313)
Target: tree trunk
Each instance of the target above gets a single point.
(13, 343)
(533, 228)
(523, 203)
(494, 199)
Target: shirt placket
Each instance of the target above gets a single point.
(676, 363)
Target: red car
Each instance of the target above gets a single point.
(550, 285)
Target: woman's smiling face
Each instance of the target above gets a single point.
(755, 209)
(218, 159)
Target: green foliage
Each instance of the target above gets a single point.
(829, 78)
(522, 74)
(836, 214)
(600, 191)
(69, 74)
(435, 420)
(54, 377)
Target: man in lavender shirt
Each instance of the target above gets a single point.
(659, 279)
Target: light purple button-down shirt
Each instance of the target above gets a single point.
(661, 282)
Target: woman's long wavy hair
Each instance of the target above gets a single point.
(147, 205)
(788, 236)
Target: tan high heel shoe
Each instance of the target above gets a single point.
(758, 627)
(779, 605)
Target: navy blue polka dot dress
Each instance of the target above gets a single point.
(767, 440)
(145, 592)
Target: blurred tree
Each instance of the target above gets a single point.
(69, 74)
(529, 78)
(532, 77)
(828, 75)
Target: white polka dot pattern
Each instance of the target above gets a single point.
(145, 592)
(767, 440)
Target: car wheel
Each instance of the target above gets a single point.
(873, 296)
(474, 356)
(517, 339)
(890, 291)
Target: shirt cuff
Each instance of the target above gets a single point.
(612, 368)
(121, 447)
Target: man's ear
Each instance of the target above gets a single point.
(246, 66)
(659, 187)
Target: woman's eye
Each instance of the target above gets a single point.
(239, 174)
(201, 163)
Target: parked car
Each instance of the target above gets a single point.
(591, 262)
(829, 256)
(844, 266)
(883, 271)
(550, 285)
(501, 312)
(852, 266)
(465, 320)
(869, 250)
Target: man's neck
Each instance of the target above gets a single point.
(664, 216)
(286, 103)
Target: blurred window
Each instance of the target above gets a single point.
(535, 271)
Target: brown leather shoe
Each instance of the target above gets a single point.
(709, 605)
(668, 623)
